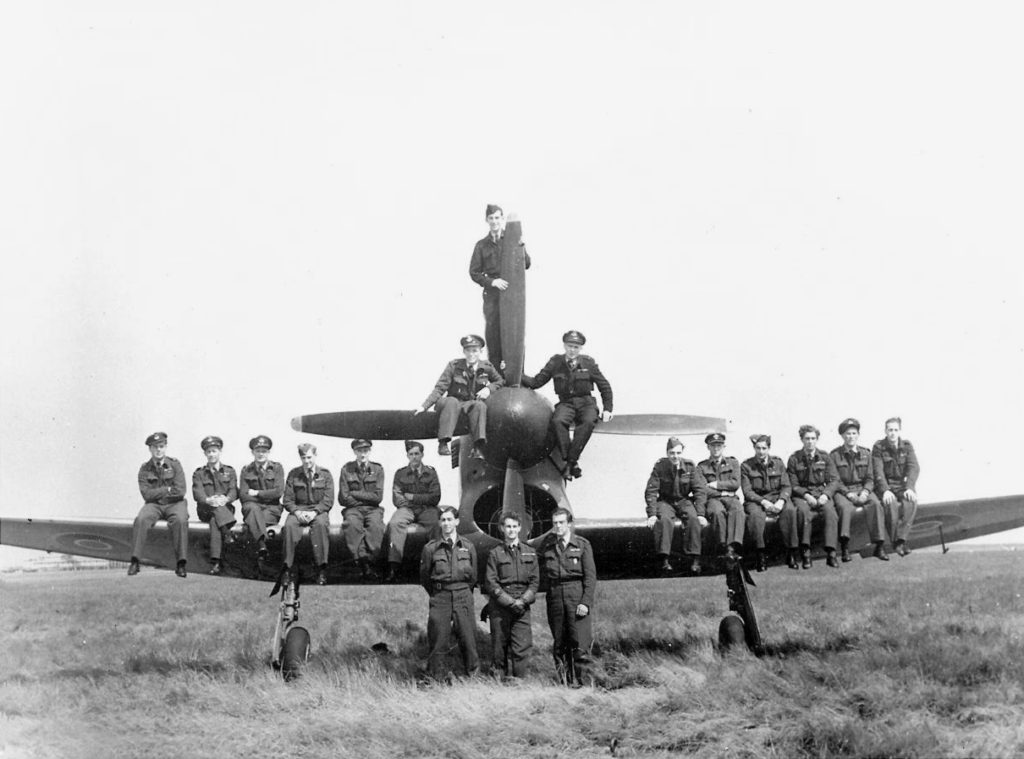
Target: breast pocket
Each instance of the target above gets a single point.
(818, 473)
(505, 570)
(581, 382)
(561, 382)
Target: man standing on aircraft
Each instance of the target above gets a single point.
(814, 479)
(511, 581)
(676, 488)
(215, 488)
(162, 484)
(308, 498)
(724, 510)
(360, 492)
(857, 483)
(448, 573)
(766, 490)
(415, 493)
(262, 485)
(485, 270)
(575, 376)
(896, 470)
(462, 388)
(567, 565)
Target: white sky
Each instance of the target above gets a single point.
(218, 216)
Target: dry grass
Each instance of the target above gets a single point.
(922, 657)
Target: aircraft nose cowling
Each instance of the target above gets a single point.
(517, 427)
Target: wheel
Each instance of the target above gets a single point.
(294, 653)
(731, 633)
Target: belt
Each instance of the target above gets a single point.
(577, 580)
(438, 586)
(725, 495)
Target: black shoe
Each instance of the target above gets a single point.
(666, 565)
(791, 560)
(367, 573)
(392, 575)
(443, 449)
(730, 553)
(880, 552)
(574, 470)
(901, 548)
(695, 566)
(262, 553)
(805, 558)
(844, 554)
(180, 570)
(762, 563)
(133, 567)
(229, 538)
(215, 569)
(831, 560)
(321, 576)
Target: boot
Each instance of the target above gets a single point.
(805, 557)
(830, 558)
(844, 549)
(180, 569)
(762, 563)
(880, 551)
(791, 561)
(133, 567)
(215, 568)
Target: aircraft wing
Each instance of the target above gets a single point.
(660, 424)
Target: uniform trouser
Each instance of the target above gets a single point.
(218, 517)
(319, 530)
(665, 527)
(449, 410)
(787, 521)
(451, 609)
(873, 514)
(582, 411)
(829, 514)
(363, 527)
(176, 515)
(492, 325)
(511, 639)
(256, 515)
(398, 528)
(572, 637)
(725, 518)
(899, 517)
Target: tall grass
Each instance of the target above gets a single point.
(922, 657)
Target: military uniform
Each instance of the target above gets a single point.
(455, 394)
(816, 475)
(896, 469)
(162, 485)
(262, 486)
(425, 488)
(767, 481)
(855, 474)
(308, 491)
(448, 573)
(723, 509)
(208, 481)
(512, 573)
(484, 268)
(668, 495)
(574, 383)
(571, 578)
(360, 492)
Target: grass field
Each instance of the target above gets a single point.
(921, 657)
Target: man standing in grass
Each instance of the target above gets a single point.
(215, 488)
(896, 470)
(448, 574)
(567, 565)
(511, 580)
(162, 484)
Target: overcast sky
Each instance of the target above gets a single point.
(218, 216)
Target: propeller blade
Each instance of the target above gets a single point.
(381, 424)
(513, 497)
(660, 424)
(512, 304)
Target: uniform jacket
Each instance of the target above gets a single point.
(573, 383)
(894, 469)
(462, 383)
(162, 483)
(512, 573)
(267, 481)
(304, 494)
(444, 568)
(765, 482)
(855, 472)
(816, 476)
(485, 264)
(356, 488)
(575, 563)
(726, 471)
(207, 482)
(672, 485)
(425, 487)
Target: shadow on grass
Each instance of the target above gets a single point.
(791, 647)
(142, 664)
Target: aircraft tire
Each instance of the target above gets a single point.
(731, 633)
(294, 653)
